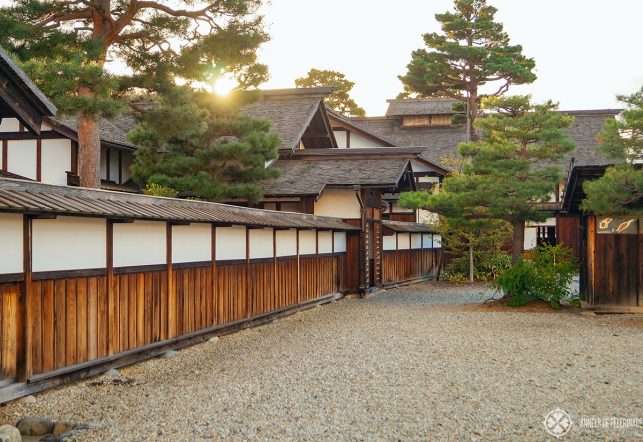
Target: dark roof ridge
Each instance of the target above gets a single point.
(297, 91)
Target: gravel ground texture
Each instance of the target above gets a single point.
(394, 366)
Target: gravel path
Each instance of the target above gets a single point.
(390, 367)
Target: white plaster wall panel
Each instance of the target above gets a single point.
(531, 238)
(22, 158)
(388, 242)
(399, 209)
(340, 242)
(325, 242)
(286, 242)
(231, 243)
(340, 137)
(113, 166)
(437, 241)
(139, 243)
(307, 242)
(261, 243)
(404, 241)
(44, 127)
(192, 243)
(419, 167)
(69, 243)
(416, 240)
(56, 161)
(426, 217)
(11, 243)
(359, 141)
(341, 203)
(428, 241)
(9, 125)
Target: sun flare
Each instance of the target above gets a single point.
(224, 84)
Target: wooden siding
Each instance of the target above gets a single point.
(405, 265)
(75, 320)
(568, 231)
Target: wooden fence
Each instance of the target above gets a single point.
(407, 265)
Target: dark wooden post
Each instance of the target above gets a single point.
(215, 304)
(274, 263)
(111, 305)
(298, 270)
(23, 350)
(39, 159)
(171, 304)
(248, 286)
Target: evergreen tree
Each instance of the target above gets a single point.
(620, 190)
(505, 178)
(197, 145)
(65, 45)
(472, 51)
(340, 99)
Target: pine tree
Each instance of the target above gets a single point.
(197, 145)
(506, 178)
(65, 46)
(340, 99)
(620, 190)
(472, 51)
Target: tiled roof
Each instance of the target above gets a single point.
(360, 127)
(310, 177)
(401, 226)
(439, 142)
(27, 196)
(112, 130)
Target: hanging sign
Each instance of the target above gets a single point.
(616, 225)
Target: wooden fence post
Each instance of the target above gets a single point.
(171, 294)
(298, 270)
(23, 356)
(249, 307)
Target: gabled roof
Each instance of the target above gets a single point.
(346, 122)
(574, 192)
(420, 106)
(311, 177)
(26, 196)
(295, 115)
(440, 142)
(113, 131)
(20, 97)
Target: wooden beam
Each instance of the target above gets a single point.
(274, 263)
(39, 159)
(5, 154)
(25, 332)
(74, 157)
(171, 294)
(213, 251)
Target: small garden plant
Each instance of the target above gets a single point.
(546, 275)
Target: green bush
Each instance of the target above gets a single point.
(487, 266)
(154, 189)
(546, 276)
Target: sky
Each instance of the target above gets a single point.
(586, 51)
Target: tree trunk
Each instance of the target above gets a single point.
(88, 151)
(518, 240)
(472, 114)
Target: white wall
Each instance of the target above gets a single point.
(192, 243)
(113, 165)
(128, 160)
(56, 161)
(403, 241)
(11, 240)
(389, 242)
(9, 125)
(396, 208)
(287, 242)
(340, 242)
(341, 203)
(359, 141)
(325, 242)
(437, 241)
(307, 242)
(22, 158)
(69, 243)
(426, 217)
(139, 243)
(340, 137)
(531, 238)
(428, 241)
(261, 243)
(416, 241)
(231, 243)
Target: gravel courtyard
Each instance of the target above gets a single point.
(412, 363)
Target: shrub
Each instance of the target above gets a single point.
(547, 276)
(160, 190)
